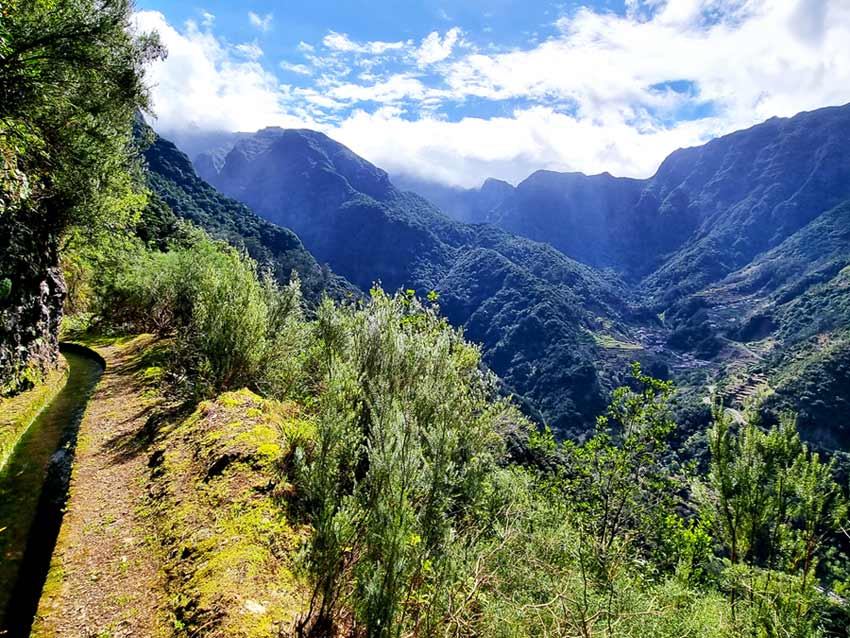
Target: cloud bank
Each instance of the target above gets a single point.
(605, 92)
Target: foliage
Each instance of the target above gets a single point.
(71, 80)
(418, 524)
(528, 305)
(405, 447)
(230, 325)
(774, 506)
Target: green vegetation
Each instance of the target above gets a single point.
(355, 470)
(216, 507)
(401, 469)
(172, 178)
(391, 459)
(71, 79)
(607, 341)
(231, 328)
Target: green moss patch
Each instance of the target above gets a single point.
(19, 412)
(218, 503)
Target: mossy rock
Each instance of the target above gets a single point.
(218, 498)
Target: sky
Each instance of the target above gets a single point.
(458, 91)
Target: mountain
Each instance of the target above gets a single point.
(740, 246)
(727, 267)
(790, 310)
(173, 179)
(469, 205)
(707, 212)
(545, 321)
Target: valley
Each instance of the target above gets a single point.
(301, 393)
(702, 270)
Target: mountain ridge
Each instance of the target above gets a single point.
(349, 214)
(173, 179)
(610, 269)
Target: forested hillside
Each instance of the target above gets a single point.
(274, 451)
(539, 315)
(172, 178)
(664, 262)
(708, 210)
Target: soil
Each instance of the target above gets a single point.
(105, 578)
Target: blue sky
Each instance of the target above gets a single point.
(506, 22)
(459, 91)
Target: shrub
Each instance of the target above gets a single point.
(405, 449)
(232, 327)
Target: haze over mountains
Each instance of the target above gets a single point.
(729, 265)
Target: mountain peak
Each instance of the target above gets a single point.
(495, 186)
(304, 149)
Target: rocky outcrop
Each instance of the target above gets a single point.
(32, 291)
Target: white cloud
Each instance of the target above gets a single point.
(342, 43)
(606, 93)
(249, 50)
(396, 88)
(207, 19)
(465, 152)
(434, 49)
(300, 69)
(203, 85)
(263, 23)
(752, 60)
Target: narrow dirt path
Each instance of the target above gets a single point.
(105, 579)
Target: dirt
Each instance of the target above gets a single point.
(105, 578)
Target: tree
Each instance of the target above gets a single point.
(621, 485)
(71, 82)
(819, 509)
(772, 504)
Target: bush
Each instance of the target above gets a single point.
(405, 448)
(232, 328)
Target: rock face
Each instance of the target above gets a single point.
(32, 291)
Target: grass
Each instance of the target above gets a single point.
(610, 343)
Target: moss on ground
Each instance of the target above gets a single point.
(218, 503)
(18, 413)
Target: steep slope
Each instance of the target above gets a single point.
(173, 179)
(599, 220)
(789, 311)
(737, 252)
(534, 310)
(741, 246)
(750, 191)
(708, 211)
(344, 209)
(796, 290)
